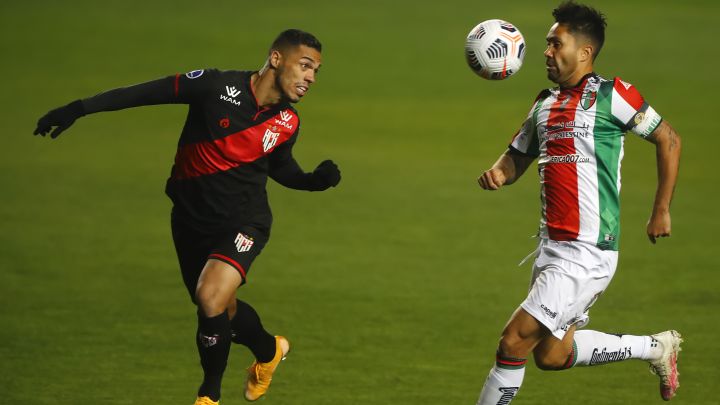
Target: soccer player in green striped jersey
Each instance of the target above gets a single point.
(576, 132)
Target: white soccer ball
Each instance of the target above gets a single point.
(495, 49)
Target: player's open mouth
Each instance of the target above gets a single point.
(301, 90)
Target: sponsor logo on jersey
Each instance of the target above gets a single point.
(243, 243)
(194, 74)
(570, 129)
(269, 139)
(508, 393)
(224, 123)
(230, 100)
(588, 99)
(548, 311)
(626, 85)
(285, 117)
(232, 91)
(602, 357)
(570, 158)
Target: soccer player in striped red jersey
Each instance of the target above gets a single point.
(240, 130)
(576, 132)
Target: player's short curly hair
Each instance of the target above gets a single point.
(293, 38)
(584, 20)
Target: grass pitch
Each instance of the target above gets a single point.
(394, 287)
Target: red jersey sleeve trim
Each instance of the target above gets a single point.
(177, 84)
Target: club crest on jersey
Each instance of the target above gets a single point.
(194, 74)
(243, 243)
(269, 139)
(588, 99)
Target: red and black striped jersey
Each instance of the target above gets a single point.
(228, 146)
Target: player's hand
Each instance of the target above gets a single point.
(658, 226)
(492, 179)
(61, 118)
(326, 175)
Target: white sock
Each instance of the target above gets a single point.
(593, 348)
(501, 386)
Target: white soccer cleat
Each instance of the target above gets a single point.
(666, 366)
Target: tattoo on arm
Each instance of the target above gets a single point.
(665, 131)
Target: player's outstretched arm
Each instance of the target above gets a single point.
(668, 147)
(150, 93)
(61, 118)
(508, 168)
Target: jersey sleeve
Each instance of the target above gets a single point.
(525, 141)
(630, 110)
(285, 170)
(177, 89)
(194, 85)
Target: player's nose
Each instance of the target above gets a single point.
(310, 76)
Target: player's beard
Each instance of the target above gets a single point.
(279, 73)
(553, 74)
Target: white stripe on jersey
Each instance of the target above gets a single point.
(587, 175)
(621, 109)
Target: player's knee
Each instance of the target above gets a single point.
(210, 301)
(512, 345)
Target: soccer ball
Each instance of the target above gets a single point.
(495, 49)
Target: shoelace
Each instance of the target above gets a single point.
(256, 370)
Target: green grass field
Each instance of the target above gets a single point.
(394, 287)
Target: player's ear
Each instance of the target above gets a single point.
(586, 52)
(275, 58)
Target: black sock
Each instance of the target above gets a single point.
(247, 330)
(213, 343)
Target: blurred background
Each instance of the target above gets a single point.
(393, 287)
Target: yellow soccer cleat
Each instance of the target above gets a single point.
(260, 374)
(206, 401)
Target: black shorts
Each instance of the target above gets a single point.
(238, 248)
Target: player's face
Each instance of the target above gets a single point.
(562, 56)
(296, 71)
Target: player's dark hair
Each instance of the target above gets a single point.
(584, 20)
(294, 38)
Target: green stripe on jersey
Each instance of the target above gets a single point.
(608, 147)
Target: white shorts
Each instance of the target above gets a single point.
(567, 279)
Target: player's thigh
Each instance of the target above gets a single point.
(567, 279)
(521, 334)
(192, 248)
(239, 248)
(216, 286)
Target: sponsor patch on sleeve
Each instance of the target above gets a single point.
(645, 121)
(194, 74)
